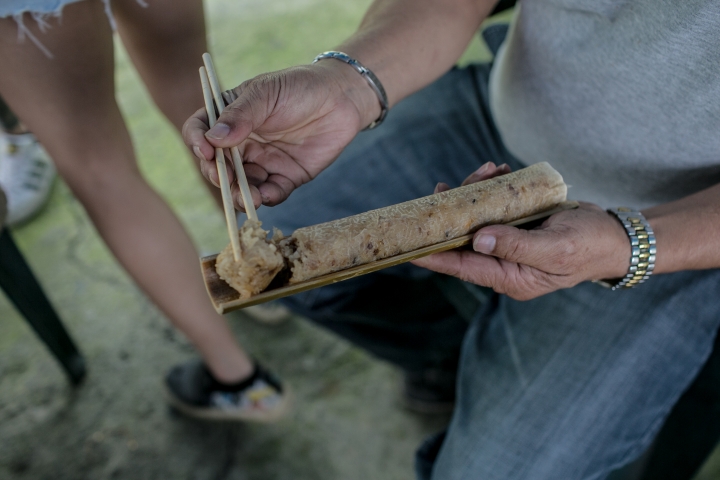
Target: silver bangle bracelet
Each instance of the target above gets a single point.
(368, 75)
(642, 245)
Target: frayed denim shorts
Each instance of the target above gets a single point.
(41, 11)
(15, 8)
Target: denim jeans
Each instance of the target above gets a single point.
(571, 385)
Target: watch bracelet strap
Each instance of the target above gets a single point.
(642, 245)
(369, 76)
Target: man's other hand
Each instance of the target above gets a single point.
(568, 248)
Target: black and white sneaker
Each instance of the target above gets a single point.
(191, 389)
(26, 175)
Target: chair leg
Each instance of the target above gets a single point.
(23, 290)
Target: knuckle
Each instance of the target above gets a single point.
(514, 247)
(189, 129)
(564, 257)
(521, 288)
(528, 283)
(456, 270)
(568, 247)
(570, 253)
(460, 268)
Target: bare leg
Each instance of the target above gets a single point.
(166, 41)
(69, 103)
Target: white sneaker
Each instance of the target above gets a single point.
(26, 176)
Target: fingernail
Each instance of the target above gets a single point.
(212, 180)
(219, 131)
(484, 243)
(437, 187)
(198, 153)
(483, 169)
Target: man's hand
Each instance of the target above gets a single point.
(289, 126)
(570, 247)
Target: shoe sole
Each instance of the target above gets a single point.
(219, 415)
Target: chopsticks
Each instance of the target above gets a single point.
(237, 159)
(227, 201)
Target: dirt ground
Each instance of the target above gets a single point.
(346, 424)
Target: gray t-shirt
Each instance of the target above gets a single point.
(622, 97)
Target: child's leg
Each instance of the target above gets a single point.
(69, 103)
(165, 41)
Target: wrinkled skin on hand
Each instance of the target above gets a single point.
(570, 247)
(289, 125)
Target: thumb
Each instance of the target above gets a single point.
(248, 112)
(529, 247)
